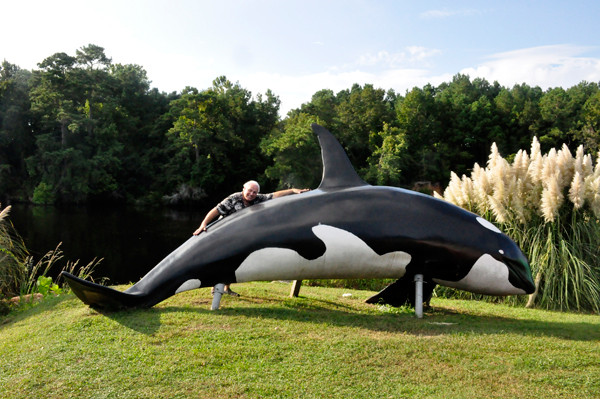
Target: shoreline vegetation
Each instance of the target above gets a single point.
(24, 282)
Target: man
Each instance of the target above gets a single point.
(238, 201)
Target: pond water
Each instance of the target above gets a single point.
(131, 240)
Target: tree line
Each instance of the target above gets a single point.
(84, 129)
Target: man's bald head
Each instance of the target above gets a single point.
(252, 183)
(251, 189)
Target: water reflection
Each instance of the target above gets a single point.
(131, 240)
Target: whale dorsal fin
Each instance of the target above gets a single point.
(337, 169)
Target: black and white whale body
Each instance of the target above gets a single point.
(344, 229)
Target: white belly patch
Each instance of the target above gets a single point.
(346, 256)
(487, 276)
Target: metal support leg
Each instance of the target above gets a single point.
(218, 293)
(295, 288)
(419, 295)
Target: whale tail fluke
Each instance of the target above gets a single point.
(402, 292)
(96, 295)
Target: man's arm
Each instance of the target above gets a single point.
(210, 216)
(283, 193)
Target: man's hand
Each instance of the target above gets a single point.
(213, 214)
(289, 191)
(200, 229)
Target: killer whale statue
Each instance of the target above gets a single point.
(345, 228)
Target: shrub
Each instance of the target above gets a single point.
(18, 274)
(43, 194)
(550, 205)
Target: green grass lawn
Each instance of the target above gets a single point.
(322, 344)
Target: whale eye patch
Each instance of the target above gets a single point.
(501, 251)
(488, 225)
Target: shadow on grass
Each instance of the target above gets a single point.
(437, 321)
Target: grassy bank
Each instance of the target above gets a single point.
(322, 344)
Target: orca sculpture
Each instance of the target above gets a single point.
(344, 229)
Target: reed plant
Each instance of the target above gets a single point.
(20, 276)
(13, 257)
(550, 205)
(42, 268)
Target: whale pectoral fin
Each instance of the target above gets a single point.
(96, 295)
(402, 292)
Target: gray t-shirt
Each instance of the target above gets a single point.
(235, 202)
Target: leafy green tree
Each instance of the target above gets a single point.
(216, 135)
(589, 133)
(361, 115)
(518, 109)
(52, 94)
(390, 159)
(295, 152)
(561, 114)
(202, 126)
(470, 122)
(555, 112)
(142, 119)
(323, 105)
(420, 127)
(16, 138)
(357, 117)
(77, 146)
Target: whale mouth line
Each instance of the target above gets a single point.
(518, 277)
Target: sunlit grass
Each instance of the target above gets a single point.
(322, 344)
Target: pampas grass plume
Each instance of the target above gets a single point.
(4, 212)
(565, 164)
(552, 199)
(498, 210)
(532, 200)
(577, 191)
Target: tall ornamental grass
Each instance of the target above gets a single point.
(20, 276)
(13, 257)
(550, 205)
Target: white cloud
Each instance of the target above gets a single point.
(412, 55)
(545, 66)
(382, 57)
(420, 53)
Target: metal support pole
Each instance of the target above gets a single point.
(419, 295)
(218, 293)
(295, 288)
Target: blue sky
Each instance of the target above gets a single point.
(295, 48)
